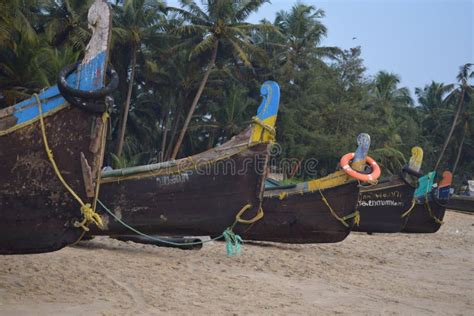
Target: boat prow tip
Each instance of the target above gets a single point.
(270, 92)
(99, 20)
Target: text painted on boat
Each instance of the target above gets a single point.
(375, 199)
(173, 179)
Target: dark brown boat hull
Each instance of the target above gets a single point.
(305, 218)
(461, 203)
(421, 222)
(189, 203)
(36, 211)
(382, 206)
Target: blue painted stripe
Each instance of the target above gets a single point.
(92, 77)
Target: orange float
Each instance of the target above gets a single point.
(346, 159)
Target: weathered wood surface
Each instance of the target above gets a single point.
(191, 202)
(36, 211)
(304, 217)
(381, 206)
(420, 221)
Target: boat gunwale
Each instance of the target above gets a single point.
(235, 146)
(301, 189)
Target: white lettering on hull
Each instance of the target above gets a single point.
(173, 179)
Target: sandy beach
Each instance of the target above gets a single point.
(365, 274)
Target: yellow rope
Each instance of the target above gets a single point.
(406, 213)
(428, 207)
(268, 128)
(355, 215)
(90, 216)
(239, 219)
(283, 195)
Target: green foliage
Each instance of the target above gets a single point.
(327, 97)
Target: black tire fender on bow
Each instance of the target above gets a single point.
(87, 100)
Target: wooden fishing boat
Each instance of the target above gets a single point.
(197, 195)
(321, 210)
(431, 198)
(384, 207)
(301, 214)
(317, 211)
(37, 212)
(462, 203)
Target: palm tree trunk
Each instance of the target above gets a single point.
(458, 156)
(450, 134)
(195, 101)
(173, 136)
(212, 137)
(126, 106)
(164, 137)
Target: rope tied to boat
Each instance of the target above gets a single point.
(355, 216)
(270, 129)
(256, 218)
(428, 208)
(408, 212)
(233, 241)
(90, 216)
(430, 211)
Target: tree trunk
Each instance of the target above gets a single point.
(212, 137)
(173, 136)
(450, 134)
(195, 101)
(126, 106)
(458, 156)
(164, 137)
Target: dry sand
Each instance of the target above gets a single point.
(378, 274)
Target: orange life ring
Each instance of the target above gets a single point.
(360, 176)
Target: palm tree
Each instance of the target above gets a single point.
(464, 92)
(65, 23)
(434, 96)
(301, 35)
(385, 92)
(16, 17)
(19, 42)
(226, 121)
(135, 20)
(220, 24)
(389, 104)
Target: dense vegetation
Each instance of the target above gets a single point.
(190, 79)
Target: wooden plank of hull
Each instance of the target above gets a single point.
(304, 218)
(35, 209)
(381, 206)
(187, 203)
(420, 220)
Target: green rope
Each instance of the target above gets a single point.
(233, 241)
